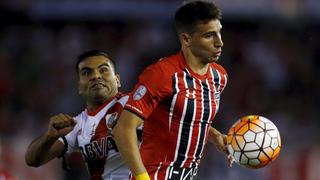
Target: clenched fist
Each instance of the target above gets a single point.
(60, 125)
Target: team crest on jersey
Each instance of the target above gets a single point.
(140, 92)
(111, 120)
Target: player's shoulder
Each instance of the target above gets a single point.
(219, 68)
(81, 116)
(165, 65)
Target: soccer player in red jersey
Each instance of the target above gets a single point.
(90, 131)
(177, 98)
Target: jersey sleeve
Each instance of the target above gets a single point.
(153, 86)
(70, 140)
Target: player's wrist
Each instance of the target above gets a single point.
(142, 176)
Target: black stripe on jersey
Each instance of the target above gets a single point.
(205, 118)
(174, 83)
(216, 79)
(186, 126)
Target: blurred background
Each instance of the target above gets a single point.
(271, 53)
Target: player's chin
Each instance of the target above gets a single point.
(214, 59)
(100, 96)
(99, 92)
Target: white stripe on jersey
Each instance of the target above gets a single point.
(180, 125)
(167, 172)
(182, 173)
(123, 100)
(156, 174)
(173, 103)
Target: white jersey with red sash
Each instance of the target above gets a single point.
(92, 135)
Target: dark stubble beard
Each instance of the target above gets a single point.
(101, 97)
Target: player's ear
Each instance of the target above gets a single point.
(185, 39)
(118, 80)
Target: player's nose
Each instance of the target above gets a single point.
(218, 43)
(96, 74)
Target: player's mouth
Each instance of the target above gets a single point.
(97, 85)
(216, 55)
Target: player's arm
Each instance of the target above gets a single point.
(220, 140)
(125, 135)
(47, 146)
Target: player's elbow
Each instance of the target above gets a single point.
(31, 162)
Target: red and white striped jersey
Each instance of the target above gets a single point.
(178, 107)
(92, 135)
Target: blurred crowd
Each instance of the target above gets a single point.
(273, 67)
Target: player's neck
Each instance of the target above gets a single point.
(94, 105)
(194, 63)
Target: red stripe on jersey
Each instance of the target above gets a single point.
(102, 141)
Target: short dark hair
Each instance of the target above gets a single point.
(191, 13)
(92, 53)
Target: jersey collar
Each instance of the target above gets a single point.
(93, 113)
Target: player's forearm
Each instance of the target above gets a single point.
(38, 151)
(126, 140)
(214, 135)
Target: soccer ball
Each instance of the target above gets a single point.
(254, 141)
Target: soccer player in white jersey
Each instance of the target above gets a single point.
(90, 131)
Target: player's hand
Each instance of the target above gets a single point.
(60, 125)
(221, 144)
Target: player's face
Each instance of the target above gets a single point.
(98, 81)
(206, 43)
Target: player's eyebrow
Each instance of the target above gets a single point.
(89, 68)
(212, 32)
(104, 64)
(85, 69)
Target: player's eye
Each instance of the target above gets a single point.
(85, 73)
(208, 35)
(104, 70)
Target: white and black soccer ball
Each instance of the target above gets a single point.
(254, 141)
